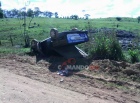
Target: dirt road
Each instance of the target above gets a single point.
(19, 89)
(23, 81)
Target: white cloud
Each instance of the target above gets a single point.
(96, 8)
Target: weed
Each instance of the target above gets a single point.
(106, 47)
(134, 55)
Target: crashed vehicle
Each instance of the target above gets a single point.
(61, 44)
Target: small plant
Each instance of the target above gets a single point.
(115, 50)
(134, 55)
(106, 47)
(100, 49)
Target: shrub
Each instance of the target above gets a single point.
(1, 13)
(115, 50)
(134, 55)
(118, 18)
(106, 47)
(138, 19)
(99, 49)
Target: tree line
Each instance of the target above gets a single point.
(29, 13)
(14, 13)
(37, 13)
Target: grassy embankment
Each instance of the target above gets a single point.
(14, 28)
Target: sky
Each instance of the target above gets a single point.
(96, 8)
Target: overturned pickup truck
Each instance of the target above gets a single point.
(61, 44)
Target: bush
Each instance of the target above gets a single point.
(118, 18)
(99, 49)
(138, 19)
(115, 50)
(1, 13)
(106, 47)
(134, 55)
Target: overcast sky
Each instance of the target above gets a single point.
(96, 8)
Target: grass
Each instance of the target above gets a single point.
(13, 50)
(106, 47)
(13, 27)
(124, 88)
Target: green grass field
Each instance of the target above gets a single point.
(13, 27)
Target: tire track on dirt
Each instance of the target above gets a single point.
(90, 87)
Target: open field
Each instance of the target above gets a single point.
(13, 29)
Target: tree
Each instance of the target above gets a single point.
(22, 11)
(29, 12)
(1, 11)
(75, 17)
(118, 18)
(86, 16)
(36, 11)
(56, 14)
(14, 12)
(50, 14)
(138, 19)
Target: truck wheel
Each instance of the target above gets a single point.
(53, 33)
(34, 46)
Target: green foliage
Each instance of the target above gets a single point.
(106, 47)
(118, 18)
(100, 48)
(75, 17)
(134, 55)
(138, 19)
(1, 13)
(30, 13)
(56, 14)
(36, 11)
(115, 50)
(14, 12)
(86, 16)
